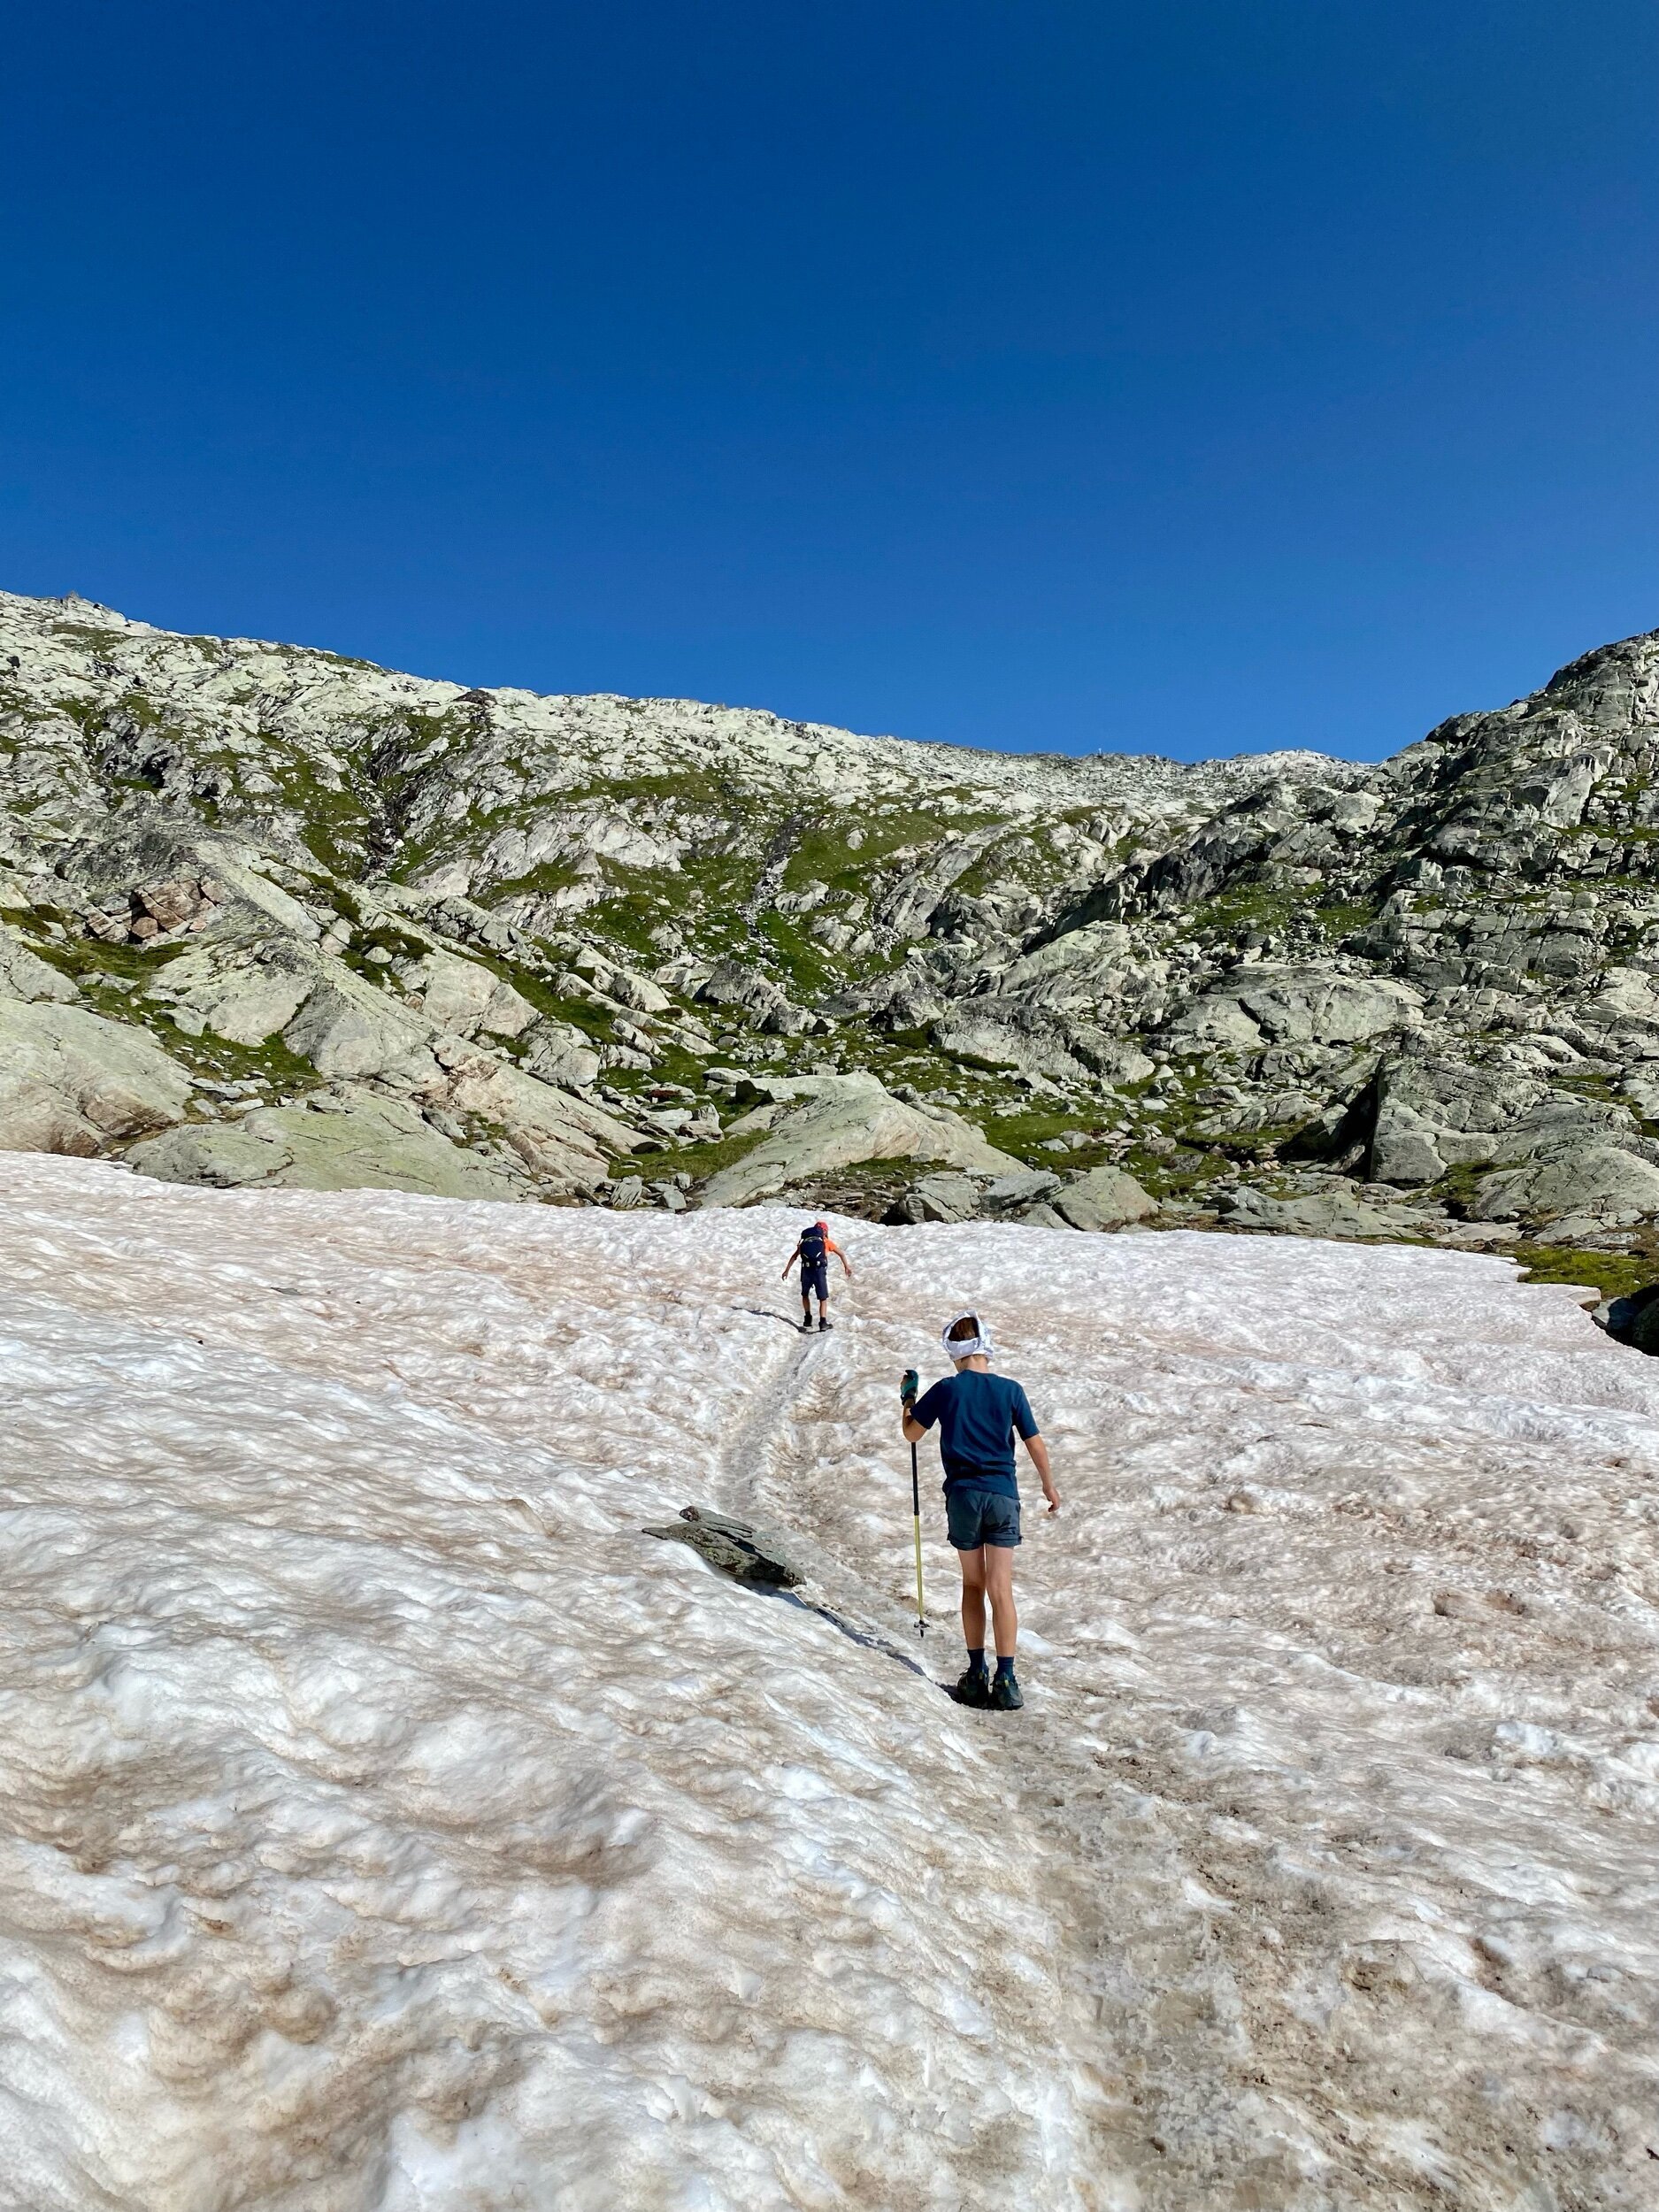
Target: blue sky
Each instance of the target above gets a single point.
(1195, 378)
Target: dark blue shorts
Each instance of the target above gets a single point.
(814, 1280)
(980, 1517)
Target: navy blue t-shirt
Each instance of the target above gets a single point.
(976, 1416)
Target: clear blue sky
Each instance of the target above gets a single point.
(1188, 378)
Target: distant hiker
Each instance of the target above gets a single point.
(815, 1251)
(978, 1414)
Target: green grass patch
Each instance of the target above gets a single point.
(333, 823)
(620, 791)
(539, 882)
(1343, 917)
(1177, 1175)
(627, 920)
(1021, 1134)
(593, 1021)
(717, 883)
(271, 1062)
(1271, 908)
(698, 1160)
(1613, 1273)
(805, 962)
(84, 634)
(89, 960)
(823, 854)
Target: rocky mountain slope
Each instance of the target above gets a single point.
(274, 917)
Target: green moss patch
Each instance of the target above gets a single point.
(1614, 1274)
(698, 1160)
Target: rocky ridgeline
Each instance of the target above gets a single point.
(273, 916)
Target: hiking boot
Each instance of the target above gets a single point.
(974, 1689)
(1005, 1697)
(806, 1326)
(825, 1324)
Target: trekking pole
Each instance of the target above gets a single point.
(907, 1397)
(916, 1523)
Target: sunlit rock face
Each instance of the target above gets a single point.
(575, 940)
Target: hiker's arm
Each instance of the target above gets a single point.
(918, 1411)
(1037, 1453)
(790, 1262)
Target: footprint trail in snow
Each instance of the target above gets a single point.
(391, 1823)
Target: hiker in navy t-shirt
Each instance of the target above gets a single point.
(979, 1415)
(815, 1251)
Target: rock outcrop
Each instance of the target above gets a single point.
(71, 1081)
(586, 943)
(847, 1121)
(344, 1137)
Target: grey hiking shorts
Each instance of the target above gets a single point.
(980, 1517)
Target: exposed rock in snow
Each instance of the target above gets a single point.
(390, 1821)
(736, 1548)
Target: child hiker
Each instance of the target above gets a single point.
(814, 1252)
(978, 1414)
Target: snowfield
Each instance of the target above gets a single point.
(388, 1823)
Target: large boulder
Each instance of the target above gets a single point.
(947, 1196)
(1104, 1198)
(564, 1140)
(72, 1081)
(626, 986)
(1293, 1006)
(997, 1042)
(731, 983)
(246, 995)
(1601, 1182)
(1014, 1194)
(1436, 1113)
(26, 977)
(349, 1028)
(1114, 1059)
(851, 1118)
(560, 1054)
(348, 1138)
(1336, 1214)
(464, 996)
(1078, 969)
(1628, 999)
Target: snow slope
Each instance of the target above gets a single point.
(389, 1823)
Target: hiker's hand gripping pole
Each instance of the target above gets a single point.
(908, 1389)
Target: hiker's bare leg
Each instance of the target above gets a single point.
(972, 1564)
(998, 1576)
